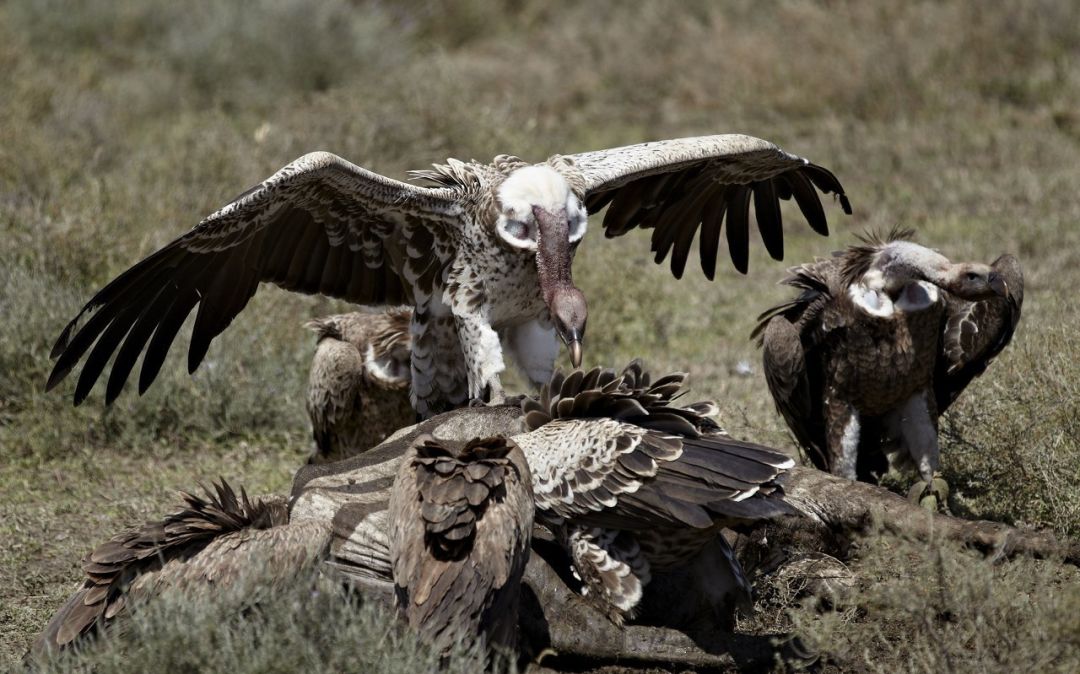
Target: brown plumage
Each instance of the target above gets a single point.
(483, 253)
(215, 541)
(358, 390)
(627, 479)
(881, 339)
(632, 482)
(460, 527)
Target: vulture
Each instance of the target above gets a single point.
(631, 483)
(215, 542)
(625, 481)
(358, 390)
(482, 252)
(880, 340)
(460, 529)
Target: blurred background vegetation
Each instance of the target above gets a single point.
(123, 123)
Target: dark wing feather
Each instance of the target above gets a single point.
(675, 185)
(319, 225)
(789, 335)
(114, 566)
(623, 455)
(654, 479)
(974, 333)
(460, 529)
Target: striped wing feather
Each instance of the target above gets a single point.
(319, 225)
(616, 451)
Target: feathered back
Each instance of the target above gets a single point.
(814, 281)
(460, 528)
(113, 566)
(454, 173)
(358, 387)
(383, 328)
(628, 396)
(456, 489)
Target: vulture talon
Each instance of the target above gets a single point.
(494, 394)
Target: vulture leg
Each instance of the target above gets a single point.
(534, 347)
(918, 435)
(483, 356)
(842, 428)
(438, 361)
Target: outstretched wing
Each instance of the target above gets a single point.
(675, 186)
(319, 225)
(600, 472)
(976, 332)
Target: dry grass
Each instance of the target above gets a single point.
(123, 124)
(313, 626)
(933, 608)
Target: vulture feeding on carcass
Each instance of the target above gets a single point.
(215, 543)
(358, 390)
(481, 251)
(627, 481)
(880, 340)
(630, 483)
(460, 528)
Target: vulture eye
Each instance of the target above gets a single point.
(517, 233)
(517, 229)
(972, 276)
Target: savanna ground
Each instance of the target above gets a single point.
(123, 123)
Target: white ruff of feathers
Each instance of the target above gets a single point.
(542, 186)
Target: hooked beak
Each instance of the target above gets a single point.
(574, 347)
(572, 339)
(998, 284)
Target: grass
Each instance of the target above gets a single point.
(285, 630)
(930, 607)
(123, 124)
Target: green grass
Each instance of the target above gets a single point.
(122, 124)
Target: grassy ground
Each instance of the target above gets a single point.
(122, 124)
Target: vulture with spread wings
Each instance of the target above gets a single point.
(482, 251)
(221, 543)
(880, 341)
